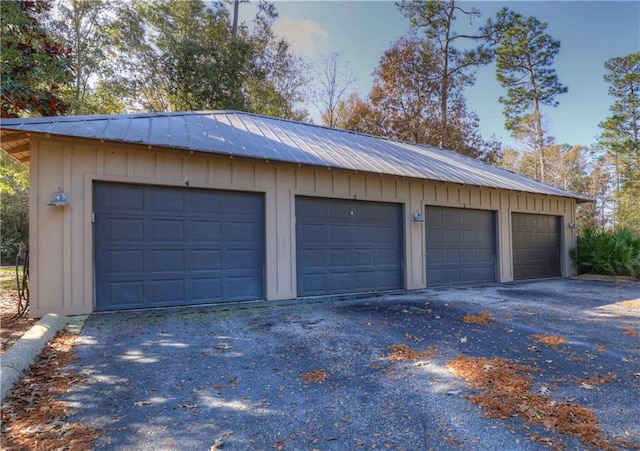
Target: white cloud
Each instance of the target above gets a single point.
(305, 36)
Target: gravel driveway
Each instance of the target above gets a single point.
(320, 374)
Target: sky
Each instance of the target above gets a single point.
(590, 33)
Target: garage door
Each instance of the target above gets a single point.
(347, 246)
(536, 246)
(159, 246)
(461, 246)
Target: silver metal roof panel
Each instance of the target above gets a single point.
(266, 138)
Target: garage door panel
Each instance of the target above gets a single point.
(365, 279)
(125, 229)
(451, 236)
(460, 246)
(339, 233)
(206, 289)
(337, 258)
(125, 261)
(153, 256)
(163, 200)
(365, 257)
(163, 260)
(206, 259)
(239, 287)
(167, 291)
(206, 231)
(339, 281)
(342, 246)
(536, 246)
(435, 256)
(125, 294)
(364, 235)
(123, 198)
(388, 235)
(386, 257)
(436, 276)
(387, 280)
(313, 233)
(164, 230)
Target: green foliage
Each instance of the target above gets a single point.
(84, 27)
(608, 252)
(524, 60)
(33, 67)
(277, 82)
(524, 66)
(179, 55)
(620, 138)
(14, 208)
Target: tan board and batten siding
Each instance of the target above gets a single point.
(62, 247)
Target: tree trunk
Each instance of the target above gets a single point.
(539, 138)
(234, 30)
(444, 89)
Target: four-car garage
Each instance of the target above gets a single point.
(165, 246)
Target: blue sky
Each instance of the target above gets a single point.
(590, 32)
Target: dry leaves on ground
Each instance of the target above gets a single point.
(403, 353)
(32, 417)
(596, 379)
(315, 376)
(11, 329)
(553, 443)
(630, 332)
(506, 392)
(483, 317)
(548, 340)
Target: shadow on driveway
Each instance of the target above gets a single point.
(186, 378)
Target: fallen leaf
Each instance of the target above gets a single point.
(402, 353)
(481, 318)
(548, 340)
(142, 403)
(315, 376)
(408, 336)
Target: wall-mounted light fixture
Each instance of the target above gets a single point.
(59, 199)
(573, 225)
(417, 217)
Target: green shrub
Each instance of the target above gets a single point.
(608, 252)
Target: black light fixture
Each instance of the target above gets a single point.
(59, 199)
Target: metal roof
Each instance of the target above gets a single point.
(267, 138)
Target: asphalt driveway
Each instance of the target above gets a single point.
(318, 374)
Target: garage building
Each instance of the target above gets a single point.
(168, 209)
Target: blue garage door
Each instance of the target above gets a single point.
(461, 246)
(159, 246)
(347, 246)
(536, 246)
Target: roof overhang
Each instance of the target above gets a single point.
(17, 144)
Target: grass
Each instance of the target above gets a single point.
(8, 278)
